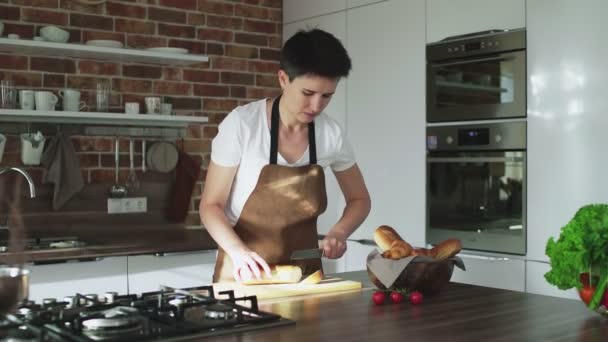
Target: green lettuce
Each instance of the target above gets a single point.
(582, 247)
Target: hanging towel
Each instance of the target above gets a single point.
(187, 172)
(62, 168)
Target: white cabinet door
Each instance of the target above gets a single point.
(536, 283)
(357, 3)
(386, 114)
(448, 17)
(498, 272)
(148, 272)
(294, 10)
(335, 24)
(60, 280)
(566, 107)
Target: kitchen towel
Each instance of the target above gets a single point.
(187, 172)
(62, 167)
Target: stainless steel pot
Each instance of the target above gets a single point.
(14, 287)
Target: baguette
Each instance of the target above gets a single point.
(280, 274)
(422, 252)
(399, 250)
(385, 236)
(446, 249)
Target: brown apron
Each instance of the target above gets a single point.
(280, 215)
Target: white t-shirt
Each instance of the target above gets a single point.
(243, 140)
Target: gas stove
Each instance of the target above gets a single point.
(170, 315)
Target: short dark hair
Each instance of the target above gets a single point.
(314, 52)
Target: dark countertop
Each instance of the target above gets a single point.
(115, 244)
(459, 313)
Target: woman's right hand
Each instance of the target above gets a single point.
(248, 265)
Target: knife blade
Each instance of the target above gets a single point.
(366, 242)
(302, 254)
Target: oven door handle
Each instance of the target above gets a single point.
(475, 159)
(470, 61)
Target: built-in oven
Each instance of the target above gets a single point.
(477, 76)
(476, 186)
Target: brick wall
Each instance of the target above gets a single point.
(241, 37)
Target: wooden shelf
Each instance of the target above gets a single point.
(93, 118)
(126, 55)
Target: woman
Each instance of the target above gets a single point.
(265, 184)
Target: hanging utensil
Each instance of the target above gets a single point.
(132, 182)
(117, 190)
(143, 156)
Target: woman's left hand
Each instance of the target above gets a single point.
(333, 246)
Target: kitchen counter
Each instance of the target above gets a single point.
(119, 244)
(459, 313)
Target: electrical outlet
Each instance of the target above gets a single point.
(127, 205)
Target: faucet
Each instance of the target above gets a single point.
(24, 174)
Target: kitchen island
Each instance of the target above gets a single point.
(459, 313)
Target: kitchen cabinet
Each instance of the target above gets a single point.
(334, 23)
(448, 18)
(492, 271)
(536, 283)
(382, 106)
(178, 270)
(294, 10)
(86, 277)
(385, 101)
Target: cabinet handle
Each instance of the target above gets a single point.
(483, 257)
(164, 254)
(70, 261)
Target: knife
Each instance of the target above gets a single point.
(366, 242)
(303, 254)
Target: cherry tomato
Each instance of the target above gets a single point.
(586, 293)
(378, 297)
(416, 297)
(396, 297)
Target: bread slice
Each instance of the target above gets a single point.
(314, 278)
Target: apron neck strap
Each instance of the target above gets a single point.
(274, 135)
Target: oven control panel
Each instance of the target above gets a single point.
(492, 136)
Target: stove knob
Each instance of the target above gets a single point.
(48, 301)
(110, 297)
(93, 299)
(71, 301)
(449, 140)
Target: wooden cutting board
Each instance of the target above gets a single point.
(288, 290)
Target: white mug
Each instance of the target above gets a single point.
(166, 108)
(152, 105)
(132, 107)
(71, 100)
(45, 100)
(26, 99)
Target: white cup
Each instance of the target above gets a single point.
(71, 100)
(132, 107)
(152, 105)
(166, 108)
(26, 99)
(45, 100)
